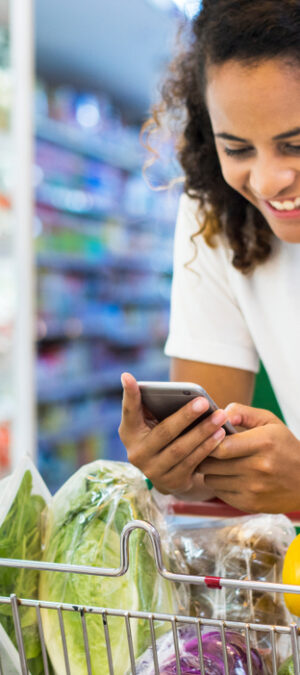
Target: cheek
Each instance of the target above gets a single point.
(234, 174)
(231, 173)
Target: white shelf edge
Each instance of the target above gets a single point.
(23, 433)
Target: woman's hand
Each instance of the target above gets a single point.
(257, 470)
(170, 462)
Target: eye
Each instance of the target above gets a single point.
(238, 152)
(292, 149)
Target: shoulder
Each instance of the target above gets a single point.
(190, 210)
(190, 242)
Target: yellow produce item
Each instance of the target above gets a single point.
(291, 575)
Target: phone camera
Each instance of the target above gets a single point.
(186, 392)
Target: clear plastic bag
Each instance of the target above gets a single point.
(23, 497)
(9, 657)
(83, 527)
(249, 548)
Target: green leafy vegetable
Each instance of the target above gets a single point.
(20, 537)
(287, 668)
(88, 515)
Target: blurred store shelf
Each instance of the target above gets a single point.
(104, 260)
(126, 156)
(79, 429)
(128, 337)
(58, 261)
(65, 388)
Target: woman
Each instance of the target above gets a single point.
(238, 86)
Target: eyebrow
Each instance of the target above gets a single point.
(285, 134)
(288, 134)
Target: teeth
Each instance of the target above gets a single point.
(288, 205)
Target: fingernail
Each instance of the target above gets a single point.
(219, 435)
(229, 406)
(236, 420)
(123, 381)
(199, 404)
(219, 417)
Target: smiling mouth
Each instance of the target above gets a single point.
(286, 205)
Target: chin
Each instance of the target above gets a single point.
(288, 233)
(291, 239)
(284, 230)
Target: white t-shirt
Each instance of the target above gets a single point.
(224, 317)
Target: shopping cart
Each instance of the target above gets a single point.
(248, 630)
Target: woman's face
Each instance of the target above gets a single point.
(255, 116)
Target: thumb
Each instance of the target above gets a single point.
(132, 409)
(248, 417)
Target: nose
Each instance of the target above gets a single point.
(270, 178)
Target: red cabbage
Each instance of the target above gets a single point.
(189, 655)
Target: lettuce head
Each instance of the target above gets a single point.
(83, 527)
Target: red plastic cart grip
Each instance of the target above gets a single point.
(213, 582)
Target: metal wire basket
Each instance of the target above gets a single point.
(291, 631)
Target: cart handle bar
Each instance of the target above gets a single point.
(209, 581)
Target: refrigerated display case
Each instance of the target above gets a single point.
(7, 296)
(16, 268)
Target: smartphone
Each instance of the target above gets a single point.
(165, 398)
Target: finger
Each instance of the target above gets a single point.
(244, 502)
(171, 427)
(180, 477)
(132, 408)
(148, 415)
(177, 445)
(182, 455)
(150, 443)
(248, 417)
(229, 467)
(235, 490)
(245, 443)
(191, 463)
(225, 484)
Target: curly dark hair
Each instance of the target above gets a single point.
(248, 31)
